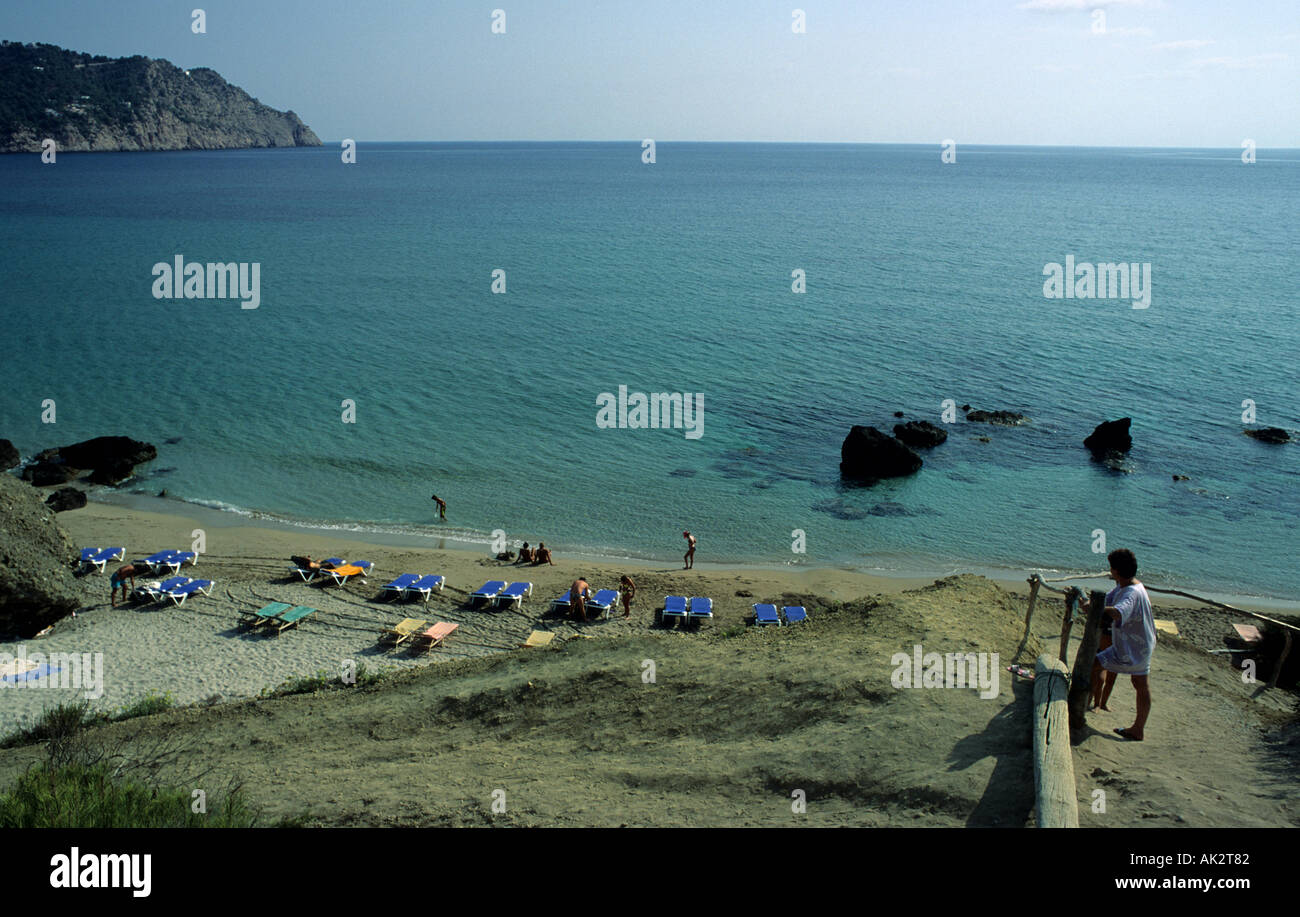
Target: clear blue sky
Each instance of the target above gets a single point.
(1164, 73)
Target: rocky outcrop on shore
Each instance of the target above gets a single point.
(109, 459)
(36, 563)
(1001, 418)
(92, 103)
(9, 455)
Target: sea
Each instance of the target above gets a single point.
(449, 318)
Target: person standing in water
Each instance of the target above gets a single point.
(690, 550)
(442, 506)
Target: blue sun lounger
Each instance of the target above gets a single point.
(515, 593)
(488, 591)
(158, 591)
(565, 600)
(766, 614)
(426, 585)
(795, 614)
(603, 601)
(402, 583)
(700, 608)
(674, 607)
(193, 587)
(98, 557)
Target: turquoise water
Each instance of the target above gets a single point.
(924, 282)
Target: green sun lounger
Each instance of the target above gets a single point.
(264, 614)
(290, 618)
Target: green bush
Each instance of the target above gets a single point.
(76, 796)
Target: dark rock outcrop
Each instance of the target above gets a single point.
(1110, 436)
(9, 456)
(46, 474)
(920, 434)
(36, 563)
(111, 460)
(870, 455)
(1273, 435)
(1002, 418)
(66, 498)
(93, 103)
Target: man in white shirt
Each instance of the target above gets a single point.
(1133, 636)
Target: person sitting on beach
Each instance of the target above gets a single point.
(626, 590)
(690, 550)
(305, 562)
(578, 594)
(1133, 637)
(542, 555)
(525, 554)
(119, 578)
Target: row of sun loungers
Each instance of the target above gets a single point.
(99, 557)
(677, 607)
(790, 614)
(177, 588)
(336, 568)
(413, 629)
(277, 616)
(416, 584)
(602, 601)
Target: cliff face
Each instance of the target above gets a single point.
(36, 561)
(91, 103)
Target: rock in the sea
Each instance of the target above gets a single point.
(36, 563)
(899, 414)
(9, 456)
(45, 474)
(1274, 435)
(1110, 436)
(869, 455)
(1003, 418)
(111, 458)
(965, 408)
(1181, 477)
(920, 434)
(66, 498)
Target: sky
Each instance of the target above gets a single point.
(1194, 73)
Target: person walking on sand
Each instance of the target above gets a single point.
(1133, 638)
(578, 593)
(119, 578)
(442, 506)
(690, 550)
(627, 591)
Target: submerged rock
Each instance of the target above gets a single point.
(1109, 442)
(920, 434)
(1002, 418)
(1273, 435)
(869, 455)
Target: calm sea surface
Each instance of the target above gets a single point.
(924, 283)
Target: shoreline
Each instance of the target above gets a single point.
(875, 580)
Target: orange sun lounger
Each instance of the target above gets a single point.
(342, 573)
(435, 635)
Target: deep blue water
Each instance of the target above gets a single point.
(924, 282)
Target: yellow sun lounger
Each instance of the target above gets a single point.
(539, 638)
(342, 573)
(435, 635)
(1166, 627)
(403, 630)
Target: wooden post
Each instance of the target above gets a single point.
(1056, 801)
(1081, 679)
(1071, 596)
(1033, 598)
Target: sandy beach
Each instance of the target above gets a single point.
(735, 721)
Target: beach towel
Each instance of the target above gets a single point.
(30, 675)
(1166, 627)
